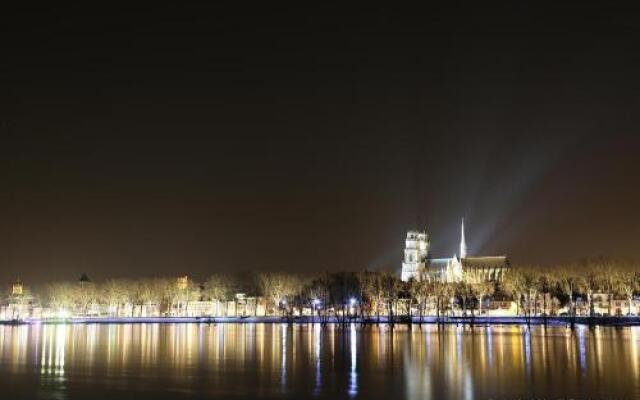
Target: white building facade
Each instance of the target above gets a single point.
(416, 250)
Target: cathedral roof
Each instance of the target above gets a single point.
(485, 262)
(434, 261)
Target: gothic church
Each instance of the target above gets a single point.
(418, 263)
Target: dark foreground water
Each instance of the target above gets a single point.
(176, 361)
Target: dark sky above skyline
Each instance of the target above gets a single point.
(191, 139)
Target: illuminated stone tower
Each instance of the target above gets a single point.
(17, 289)
(416, 251)
(463, 243)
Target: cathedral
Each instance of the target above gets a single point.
(419, 264)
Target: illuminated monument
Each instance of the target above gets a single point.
(419, 265)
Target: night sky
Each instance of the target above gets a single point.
(167, 140)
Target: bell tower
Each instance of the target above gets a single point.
(17, 289)
(416, 250)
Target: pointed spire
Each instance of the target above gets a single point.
(463, 243)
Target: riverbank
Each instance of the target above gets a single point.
(476, 321)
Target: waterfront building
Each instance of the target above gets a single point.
(19, 305)
(604, 304)
(17, 289)
(418, 263)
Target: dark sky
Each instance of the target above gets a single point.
(165, 140)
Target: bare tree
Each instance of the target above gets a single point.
(317, 290)
(60, 296)
(114, 293)
(483, 289)
(419, 290)
(514, 285)
(278, 287)
(84, 294)
(373, 290)
(219, 288)
(625, 284)
(390, 287)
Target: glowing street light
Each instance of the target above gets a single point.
(315, 303)
(352, 304)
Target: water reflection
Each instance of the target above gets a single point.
(283, 354)
(350, 361)
(353, 348)
(53, 351)
(317, 331)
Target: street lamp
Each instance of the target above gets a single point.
(315, 302)
(352, 304)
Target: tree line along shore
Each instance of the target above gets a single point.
(597, 289)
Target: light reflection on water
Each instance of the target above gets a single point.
(298, 361)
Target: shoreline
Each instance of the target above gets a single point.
(431, 320)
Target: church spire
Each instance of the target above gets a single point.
(463, 243)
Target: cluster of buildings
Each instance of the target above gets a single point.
(420, 265)
(20, 305)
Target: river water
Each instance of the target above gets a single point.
(184, 361)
